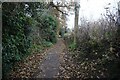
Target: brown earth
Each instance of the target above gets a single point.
(41, 65)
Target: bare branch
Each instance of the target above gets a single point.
(57, 7)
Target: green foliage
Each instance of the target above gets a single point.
(15, 40)
(48, 26)
(62, 32)
(47, 44)
(72, 46)
(26, 29)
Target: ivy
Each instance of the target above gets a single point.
(22, 22)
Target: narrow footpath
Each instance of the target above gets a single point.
(49, 67)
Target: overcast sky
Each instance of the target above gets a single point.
(92, 10)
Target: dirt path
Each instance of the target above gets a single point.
(49, 68)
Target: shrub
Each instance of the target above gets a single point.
(15, 40)
(24, 30)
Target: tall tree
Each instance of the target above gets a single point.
(58, 9)
(76, 20)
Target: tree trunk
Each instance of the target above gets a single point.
(76, 21)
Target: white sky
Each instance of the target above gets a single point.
(92, 9)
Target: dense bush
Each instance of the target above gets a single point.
(100, 45)
(48, 26)
(14, 36)
(23, 32)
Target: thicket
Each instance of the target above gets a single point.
(26, 28)
(98, 43)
